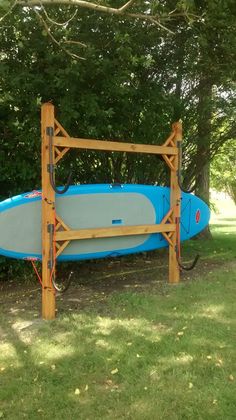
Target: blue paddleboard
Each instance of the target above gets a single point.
(94, 206)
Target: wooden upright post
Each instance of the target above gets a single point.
(51, 142)
(48, 216)
(175, 204)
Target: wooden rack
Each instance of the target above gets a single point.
(51, 223)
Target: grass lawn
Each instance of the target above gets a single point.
(143, 350)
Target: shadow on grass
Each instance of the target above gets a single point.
(143, 356)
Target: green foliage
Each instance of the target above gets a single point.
(5, 5)
(134, 82)
(223, 175)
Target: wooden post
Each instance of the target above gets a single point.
(48, 216)
(169, 151)
(175, 203)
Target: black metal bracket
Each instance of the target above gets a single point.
(177, 250)
(51, 166)
(179, 171)
(50, 229)
(64, 286)
(188, 267)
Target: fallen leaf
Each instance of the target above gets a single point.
(109, 382)
(114, 371)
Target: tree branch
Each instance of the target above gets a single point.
(79, 3)
(121, 11)
(42, 21)
(9, 11)
(127, 5)
(58, 23)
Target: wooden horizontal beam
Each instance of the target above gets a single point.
(113, 146)
(113, 231)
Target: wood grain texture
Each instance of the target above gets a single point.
(175, 204)
(113, 231)
(113, 146)
(48, 202)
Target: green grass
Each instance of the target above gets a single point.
(163, 354)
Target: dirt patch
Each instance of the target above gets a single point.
(94, 281)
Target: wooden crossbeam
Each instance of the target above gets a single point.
(113, 146)
(108, 232)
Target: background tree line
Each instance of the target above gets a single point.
(132, 80)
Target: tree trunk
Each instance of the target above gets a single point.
(203, 147)
(203, 191)
(233, 191)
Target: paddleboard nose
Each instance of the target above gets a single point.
(20, 227)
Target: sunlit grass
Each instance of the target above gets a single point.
(143, 355)
(155, 356)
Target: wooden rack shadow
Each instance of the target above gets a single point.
(56, 235)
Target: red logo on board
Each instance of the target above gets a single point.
(197, 216)
(33, 194)
(31, 258)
